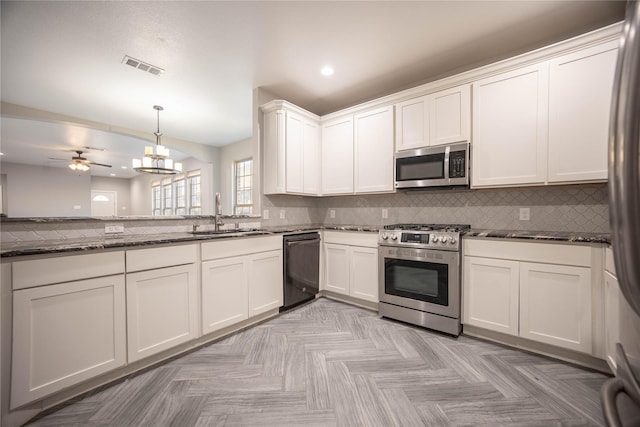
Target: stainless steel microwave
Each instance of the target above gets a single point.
(437, 166)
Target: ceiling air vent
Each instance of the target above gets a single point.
(141, 65)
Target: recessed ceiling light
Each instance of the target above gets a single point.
(112, 174)
(327, 70)
(123, 167)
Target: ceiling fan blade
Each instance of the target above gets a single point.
(98, 164)
(54, 158)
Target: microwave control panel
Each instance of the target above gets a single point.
(457, 164)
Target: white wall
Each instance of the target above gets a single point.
(228, 155)
(38, 191)
(122, 187)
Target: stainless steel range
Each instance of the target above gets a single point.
(419, 274)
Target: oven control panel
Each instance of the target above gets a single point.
(420, 239)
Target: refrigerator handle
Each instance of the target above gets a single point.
(624, 382)
(624, 159)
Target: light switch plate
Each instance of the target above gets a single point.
(265, 214)
(385, 213)
(332, 213)
(525, 214)
(281, 213)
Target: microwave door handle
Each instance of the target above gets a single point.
(446, 162)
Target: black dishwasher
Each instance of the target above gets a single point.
(301, 268)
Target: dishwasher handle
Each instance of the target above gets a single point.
(302, 242)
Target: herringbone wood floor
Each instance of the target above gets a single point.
(329, 363)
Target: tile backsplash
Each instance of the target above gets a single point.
(560, 208)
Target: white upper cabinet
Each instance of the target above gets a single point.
(450, 116)
(439, 118)
(412, 124)
(337, 156)
(373, 164)
(547, 123)
(580, 88)
(291, 149)
(510, 128)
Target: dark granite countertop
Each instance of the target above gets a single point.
(553, 236)
(23, 248)
(14, 249)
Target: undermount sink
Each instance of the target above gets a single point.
(239, 232)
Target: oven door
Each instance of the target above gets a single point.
(421, 279)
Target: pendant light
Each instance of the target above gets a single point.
(157, 159)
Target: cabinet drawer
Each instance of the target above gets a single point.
(147, 259)
(351, 238)
(577, 255)
(226, 248)
(47, 271)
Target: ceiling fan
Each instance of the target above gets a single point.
(79, 163)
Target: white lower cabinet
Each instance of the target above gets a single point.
(612, 297)
(224, 293)
(351, 269)
(66, 333)
(491, 294)
(162, 299)
(265, 282)
(240, 279)
(555, 305)
(162, 309)
(547, 300)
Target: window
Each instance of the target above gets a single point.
(181, 198)
(177, 195)
(167, 197)
(195, 207)
(243, 187)
(156, 201)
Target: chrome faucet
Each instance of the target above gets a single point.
(218, 221)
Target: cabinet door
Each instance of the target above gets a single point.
(412, 124)
(510, 128)
(450, 116)
(364, 273)
(162, 309)
(374, 151)
(225, 292)
(611, 318)
(265, 282)
(555, 305)
(580, 88)
(337, 156)
(294, 153)
(490, 293)
(64, 334)
(337, 274)
(311, 158)
(274, 152)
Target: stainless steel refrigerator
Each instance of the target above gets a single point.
(621, 395)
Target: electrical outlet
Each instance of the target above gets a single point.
(281, 213)
(525, 214)
(113, 228)
(265, 214)
(77, 207)
(385, 213)
(332, 213)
